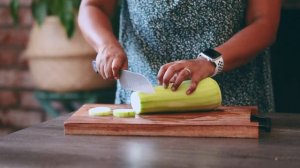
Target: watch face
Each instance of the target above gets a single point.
(213, 54)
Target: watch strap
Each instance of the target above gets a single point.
(219, 62)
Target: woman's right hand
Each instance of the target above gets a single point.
(111, 58)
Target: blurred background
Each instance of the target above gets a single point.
(45, 68)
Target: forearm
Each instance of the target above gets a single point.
(260, 32)
(95, 25)
(245, 45)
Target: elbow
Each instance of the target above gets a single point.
(270, 30)
(272, 37)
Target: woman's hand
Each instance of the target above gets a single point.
(110, 60)
(94, 21)
(178, 71)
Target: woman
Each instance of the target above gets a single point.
(175, 40)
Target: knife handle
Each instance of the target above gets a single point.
(265, 123)
(94, 66)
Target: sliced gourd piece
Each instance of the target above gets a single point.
(207, 96)
(123, 113)
(100, 111)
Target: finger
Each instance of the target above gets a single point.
(101, 69)
(194, 83)
(183, 75)
(173, 79)
(98, 63)
(162, 71)
(116, 67)
(171, 71)
(108, 70)
(125, 64)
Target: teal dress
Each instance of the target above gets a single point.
(156, 32)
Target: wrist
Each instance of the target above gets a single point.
(211, 68)
(215, 58)
(108, 44)
(208, 65)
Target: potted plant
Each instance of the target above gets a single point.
(59, 58)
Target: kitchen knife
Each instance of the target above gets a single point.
(135, 82)
(132, 81)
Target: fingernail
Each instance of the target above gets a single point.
(173, 88)
(165, 86)
(188, 92)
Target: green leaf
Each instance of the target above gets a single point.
(14, 8)
(70, 26)
(39, 10)
(77, 4)
(55, 7)
(67, 17)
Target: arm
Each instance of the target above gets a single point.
(94, 21)
(262, 22)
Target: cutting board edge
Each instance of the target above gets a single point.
(72, 127)
(174, 131)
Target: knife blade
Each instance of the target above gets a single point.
(132, 81)
(135, 82)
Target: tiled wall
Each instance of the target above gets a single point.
(18, 107)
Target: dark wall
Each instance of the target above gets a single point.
(286, 62)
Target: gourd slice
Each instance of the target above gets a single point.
(123, 113)
(100, 111)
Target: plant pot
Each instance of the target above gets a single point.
(59, 64)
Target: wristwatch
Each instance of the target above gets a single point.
(214, 57)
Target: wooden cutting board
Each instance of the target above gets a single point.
(223, 122)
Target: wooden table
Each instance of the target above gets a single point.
(45, 145)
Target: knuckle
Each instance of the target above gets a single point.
(194, 84)
(166, 79)
(164, 68)
(172, 68)
(181, 76)
(160, 77)
(115, 67)
(106, 58)
(175, 85)
(181, 62)
(122, 56)
(178, 82)
(187, 73)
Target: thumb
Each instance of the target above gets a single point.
(125, 64)
(116, 66)
(194, 83)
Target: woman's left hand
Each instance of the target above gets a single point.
(178, 71)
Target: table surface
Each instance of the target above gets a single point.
(45, 145)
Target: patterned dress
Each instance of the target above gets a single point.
(156, 32)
